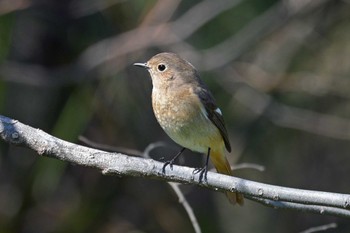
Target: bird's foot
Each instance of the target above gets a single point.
(202, 173)
(170, 163)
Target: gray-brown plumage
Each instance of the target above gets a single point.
(186, 110)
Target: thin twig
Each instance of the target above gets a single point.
(320, 228)
(109, 148)
(254, 166)
(293, 117)
(150, 147)
(186, 205)
(175, 186)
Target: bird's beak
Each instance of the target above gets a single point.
(143, 65)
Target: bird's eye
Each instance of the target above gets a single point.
(161, 67)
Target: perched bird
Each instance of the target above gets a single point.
(186, 110)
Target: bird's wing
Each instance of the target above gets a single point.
(214, 114)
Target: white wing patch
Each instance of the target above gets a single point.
(218, 111)
(204, 112)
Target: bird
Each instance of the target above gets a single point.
(186, 110)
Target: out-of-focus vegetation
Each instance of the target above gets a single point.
(278, 69)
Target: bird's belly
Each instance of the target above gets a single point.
(188, 126)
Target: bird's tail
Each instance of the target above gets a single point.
(223, 166)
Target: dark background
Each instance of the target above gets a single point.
(278, 69)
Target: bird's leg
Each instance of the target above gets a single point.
(204, 170)
(171, 162)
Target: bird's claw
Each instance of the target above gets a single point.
(202, 173)
(170, 163)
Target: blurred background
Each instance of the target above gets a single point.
(279, 71)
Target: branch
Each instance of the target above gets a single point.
(293, 117)
(14, 132)
(187, 207)
(175, 187)
(321, 228)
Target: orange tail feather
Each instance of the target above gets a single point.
(223, 166)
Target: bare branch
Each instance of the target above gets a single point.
(320, 228)
(199, 15)
(146, 154)
(8, 6)
(293, 117)
(14, 132)
(254, 166)
(175, 187)
(186, 206)
(317, 209)
(110, 148)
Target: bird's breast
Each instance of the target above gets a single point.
(183, 118)
(173, 111)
